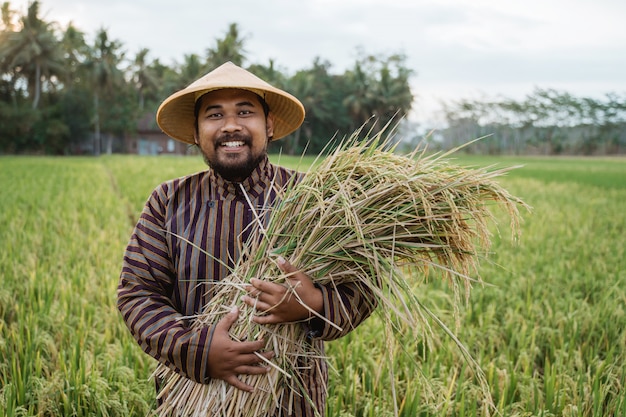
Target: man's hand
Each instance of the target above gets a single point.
(279, 303)
(229, 358)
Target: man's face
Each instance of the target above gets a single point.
(233, 132)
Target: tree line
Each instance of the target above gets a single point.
(61, 93)
(547, 122)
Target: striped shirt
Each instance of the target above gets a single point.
(162, 274)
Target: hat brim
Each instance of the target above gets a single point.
(176, 118)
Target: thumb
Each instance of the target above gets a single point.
(285, 266)
(227, 321)
(293, 274)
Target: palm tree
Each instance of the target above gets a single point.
(9, 73)
(379, 88)
(75, 51)
(103, 66)
(144, 80)
(7, 16)
(269, 73)
(361, 100)
(302, 85)
(313, 87)
(393, 93)
(228, 49)
(191, 69)
(32, 53)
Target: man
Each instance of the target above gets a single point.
(231, 115)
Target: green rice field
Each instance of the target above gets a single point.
(547, 328)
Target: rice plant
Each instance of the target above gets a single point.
(367, 215)
(548, 326)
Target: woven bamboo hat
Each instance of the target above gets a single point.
(176, 117)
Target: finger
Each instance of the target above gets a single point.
(294, 275)
(252, 290)
(268, 355)
(227, 321)
(256, 303)
(252, 370)
(253, 364)
(248, 359)
(237, 383)
(269, 292)
(268, 319)
(285, 266)
(262, 286)
(258, 359)
(248, 300)
(250, 347)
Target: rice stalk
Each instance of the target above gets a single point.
(364, 215)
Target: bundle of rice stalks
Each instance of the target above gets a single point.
(365, 215)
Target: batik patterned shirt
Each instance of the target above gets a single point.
(165, 276)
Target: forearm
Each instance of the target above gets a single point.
(161, 331)
(345, 306)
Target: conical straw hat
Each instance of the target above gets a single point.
(176, 114)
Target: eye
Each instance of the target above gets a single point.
(213, 115)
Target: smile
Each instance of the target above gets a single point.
(232, 144)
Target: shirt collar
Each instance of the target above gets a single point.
(254, 184)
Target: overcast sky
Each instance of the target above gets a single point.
(457, 49)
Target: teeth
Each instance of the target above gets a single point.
(233, 144)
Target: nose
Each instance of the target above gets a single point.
(231, 124)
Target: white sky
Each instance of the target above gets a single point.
(457, 48)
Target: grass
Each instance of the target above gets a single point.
(548, 329)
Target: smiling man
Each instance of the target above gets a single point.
(231, 115)
(233, 128)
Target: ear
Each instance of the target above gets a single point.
(269, 126)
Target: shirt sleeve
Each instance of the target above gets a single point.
(346, 306)
(144, 297)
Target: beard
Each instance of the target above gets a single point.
(232, 170)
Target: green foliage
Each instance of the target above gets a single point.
(548, 328)
(32, 53)
(74, 109)
(604, 173)
(115, 91)
(38, 60)
(16, 121)
(231, 48)
(546, 122)
(63, 348)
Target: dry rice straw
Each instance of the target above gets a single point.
(366, 215)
